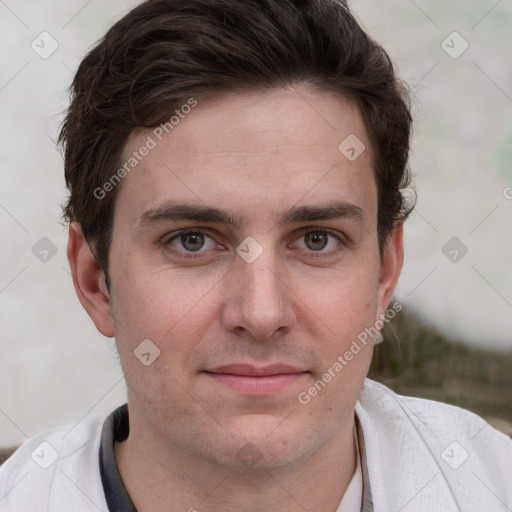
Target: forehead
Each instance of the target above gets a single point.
(253, 150)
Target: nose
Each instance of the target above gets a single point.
(258, 302)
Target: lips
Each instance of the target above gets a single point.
(254, 380)
(254, 371)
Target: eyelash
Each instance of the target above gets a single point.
(309, 229)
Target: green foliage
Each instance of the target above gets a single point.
(415, 359)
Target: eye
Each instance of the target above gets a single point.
(318, 240)
(192, 241)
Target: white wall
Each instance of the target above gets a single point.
(55, 367)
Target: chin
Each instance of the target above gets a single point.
(265, 442)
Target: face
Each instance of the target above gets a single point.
(245, 249)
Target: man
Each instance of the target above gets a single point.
(236, 171)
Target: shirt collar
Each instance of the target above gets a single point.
(115, 429)
(367, 501)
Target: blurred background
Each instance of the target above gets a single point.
(452, 341)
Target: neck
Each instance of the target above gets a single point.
(158, 476)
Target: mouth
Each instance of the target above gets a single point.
(253, 380)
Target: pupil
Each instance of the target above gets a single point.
(192, 241)
(316, 241)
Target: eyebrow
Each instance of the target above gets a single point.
(169, 212)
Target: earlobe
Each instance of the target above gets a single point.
(89, 281)
(391, 266)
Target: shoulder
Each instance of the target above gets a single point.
(461, 460)
(50, 470)
(378, 399)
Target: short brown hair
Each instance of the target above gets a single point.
(164, 52)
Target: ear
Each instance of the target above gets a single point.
(391, 266)
(89, 281)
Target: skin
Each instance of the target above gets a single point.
(254, 155)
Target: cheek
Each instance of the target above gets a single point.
(337, 314)
(342, 312)
(156, 300)
(174, 314)
(345, 301)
